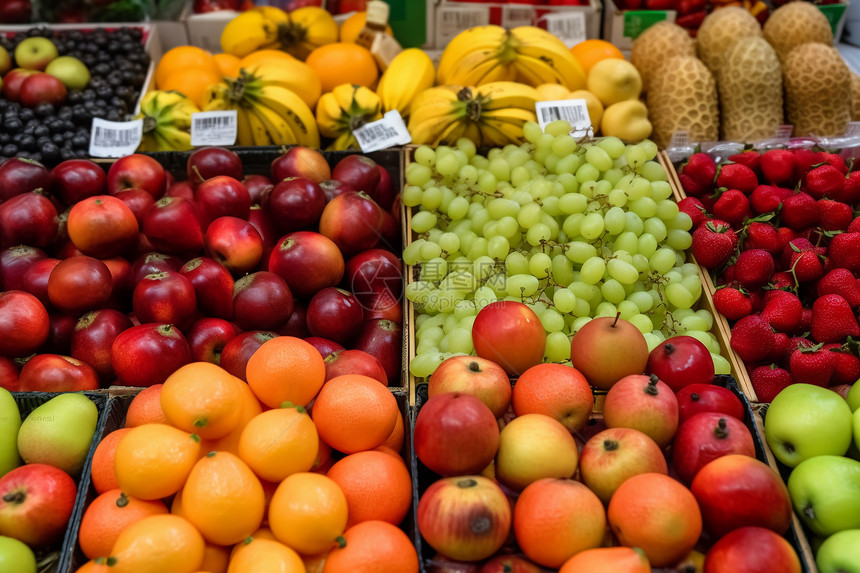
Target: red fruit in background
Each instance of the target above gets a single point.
(93, 337)
(24, 323)
(713, 243)
(851, 189)
(8, 374)
(237, 352)
(182, 189)
(308, 261)
(256, 186)
(208, 162)
(754, 268)
(834, 215)
(846, 365)
(55, 373)
(138, 201)
(300, 161)
(234, 243)
(172, 225)
(76, 179)
(262, 221)
(701, 169)
(842, 282)
(750, 158)
(643, 403)
(783, 311)
(297, 325)
(372, 272)
(353, 221)
(799, 211)
(767, 198)
(207, 338)
(213, 286)
(812, 365)
(777, 167)
(324, 345)
(844, 251)
(770, 380)
(383, 306)
(137, 170)
(166, 297)
(706, 436)
(752, 550)
(804, 160)
(19, 175)
(732, 303)
(153, 263)
(680, 361)
(147, 354)
(354, 362)
(79, 284)
(693, 207)
(222, 196)
(14, 264)
(60, 334)
(102, 226)
(385, 191)
(697, 398)
(382, 339)
(35, 279)
(762, 236)
(42, 88)
(733, 207)
(332, 188)
(335, 314)
(751, 338)
(737, 176)
(36, 502)
(28, 219)
(295, 203)
(833, 320)
(824, 181)
(12, 82)
(261, 301)
(359, 171)
(510, 334)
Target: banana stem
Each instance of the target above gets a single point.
(149, 124)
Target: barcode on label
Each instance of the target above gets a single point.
(105, 137)
(214, 127)
(680, 139)
(513, 16)
(569, 27)
(784, 132)
(115, 138)
(452, 21)
(573, 115)
(380, 134)
(375, 132)
(211, 122)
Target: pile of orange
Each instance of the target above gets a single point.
(220, 474)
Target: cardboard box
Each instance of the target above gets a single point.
(621, 27)
(204, 30)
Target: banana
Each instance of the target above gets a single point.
(480, 67)
(166, 121)
(294, 75)
(244, 135)
(273, 14)
(344, 141)
(175, 138)
(309, 27)
(475, 39)
(259, 133)
(409, 73)
(508, 94)
(346, 107)
(277, 127)
(295, 112)
(547, 57)
(249, 31)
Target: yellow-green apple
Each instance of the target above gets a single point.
(705, 437)
(147, 354)
(36, 502)
(645, 404)
(853, 397)
(382, 339)
(455, 434)
(261, 300)
(825, 492)
(300, 161)
(736, 491)
(69, 70)
(467, 518)
(615, 454)
(5, 61)
(838, 553)
(308, 261)
(35, 53)
(213, 285)
(59, 432)
(532, 447)
(696, 398)
(353, 361)
(510, 334)
(16, 556)
(473, 375)
(752, 550)
(594, 350)
(10, 421)
(804, 420)
(234, 243)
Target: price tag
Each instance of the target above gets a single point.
(569, 27)
(515, 16)
(574, 111)
(679, 146)
(214, 127)
(783, 132)
(115, 138)
(451, 20)
(383, 133)
(679, 139)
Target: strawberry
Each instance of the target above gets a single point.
(698, 174)
(768, 381)
(793, 344)
(795, 245)
(737, 176)
(851, 189)
(832, 319)
(732, 303)
(777, 166)
(836, 161)
(757, 298)
(804, 160)
(713, 243)
(767, 198)
(785, 235)
(799, 211)
(762, 236)
(805, 320)
(781, 343)
(844, 251)
(846, 364)
(783, 311)
(812, 365)
(782, 280)
(732, 207)
(752, 338)
(840, 281)
(750, 158)
(824, 181)
(854, 226)
(834, 215)
(693, 207)
(806, 266)
(754, 268)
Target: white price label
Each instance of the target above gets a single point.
(574, 111)
(115, 138)
(569, 27)
(783, 132)
(679, 139)
(214, 127)
(383, 133)
(450, 20)
(515, 16)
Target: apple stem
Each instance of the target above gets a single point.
(474, 366)
(651, 388)
(720, 431)
(617, 316)
(197, 172)
(14, 497)
(610, 445)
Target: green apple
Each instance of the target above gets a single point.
(5, 61)
(71, 71)
(35, 53)
(839, 553)
(856, 443)
(15, 556)
(10, 421)
(59, 432)
(804, 421)
(825, 493)
(853, 397)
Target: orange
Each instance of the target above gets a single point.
(92, 566)
(657, 514)
(280, 442)
(104, 477)
(262, 533)
(324, 461)
(264, 56)
(228, 64)
(377, 486)
(250, 407)
(263, 555)
(107, 516)
(145, 408)
(184, 59)
(314, 563)
(615, 559)
(215, 558)
(192, 83)
(395, 439)
(152, 461)
(352, 27)
(543, 525)
(285, 369)
(373, 547)
(354, 413)
(589, 52)
(201, 397)
(308, 512)
(343, 63)
(158, 544)
(176, 505)
(555, 390)
(223, 498)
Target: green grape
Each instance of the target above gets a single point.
(641, 263)
(706, 315)
(562, 270)
(614, 220)
(479, 218)
(557, 347)
(642, 322)
(678, 295)
(580, 251)
(516, 263)
(450, 322)
(613, 291)
(479, 161)
(662, 260)
(517, 156)
(599, 158)
(617, 198)
(550, 161)
(483, 296)
(502, 207)
(635, 156)
(507, 226)
(551, 223)
(693, 323)
(434, 269)
(647, 244)
(689, 269)
(579, 323)
(483, 266)
(627, 309)
(694, 285)
(551, 320)
(430, 250)
(460, 341)
(520, 176)
(444, 344)
(634, 223)
(425, 155)
(568, 165)
(587, 189)
(467, 146)
(431, 199)
(622, 271)
(412, 195)
(550, 206)
(423, 365)
(417, 174)
(605, 308)
(434, 234)
(532, 131)
(649, 147)
(468, 174)
(448, 195)
(645, 207)
(431, 322)
(538, 234)
(500, 169)
(642, 300)
(447, 165)
(667, 209)
(538, 307)
(423, 221)
(529, 215)
(564, 144)
(564, 300)
(557, 127)
(540, 265)
(639, 188)
(587, 172)
(612, 146)
(661, 190)
(458, 208)
(478, 248)
(681, 221)
(467, 238)
(613, 176)
(581, 308)
(568, 181)
(592, 271)
(592, 226)
(412, 252)
(540, 189)
(449, 242)
(522, 285)
(465, 308)
(487, 182)
(459, 280)
(652, 171)
(651, 339)
(498, 248)
(721, 365)
(572, 224)
(415, 289)
(627, 241)
(489, 230)
(655, 227)
(679, 240)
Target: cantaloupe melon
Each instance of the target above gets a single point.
(855, 97)
(720, 29)
(794, 24)
(817, 90)
(657, 44)
(683, 97)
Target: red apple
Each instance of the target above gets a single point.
(385, 190)
(261, 301)
(615, 454)
(213, 285)
(28, 219)
(207, 338)
(383, 339)
(256, 186)
(76, 179)
(680, 361)
(375, 271)
(297, 325)
(172, 225)
(182, 189)
(153, 263)
(102, 226)
(35, 280)
(14, 264)
(56, 373)
(93, 337)
(60, 334)
(137, 170)
(594, 351)
(19, 175)
(479, 377)
(24, 323)
(643, 403)
(509, 564)
(138, 201)
(79, 284)
(147, 354)
(262, 221)
(354, 362)
(41, 88)
(335, 314)
(353, 221)
(234, 243)
(360, 171)
(383, 306)
(308, 261)
(36, 502)
(509, 334)
(208, 162)
(466, 518)
(705, 437)
(222, 196)
(332, 188)
(295, 203)
(325, 346)
(696, 398)
(13, 80)
(301, 161)
(237, 352)
(164, 297)
(121, 275)
(8, 374)
(752, 550)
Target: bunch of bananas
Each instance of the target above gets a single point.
(268, 111)
(267, 27)
(491, 114)
(166, 121)
(343, 110)
(527, 54)
(409, 73)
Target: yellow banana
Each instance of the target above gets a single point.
(294, 111)
(247, 32)
(166, 121)
(244, 136)
(344, 141)
(328, 113)
(175, 138)
(294, 75)
(552, 92)
(409, 73)
(479, 67)
(475, 39)
(276, 126)
(508, 94)
(544, 57)
(438, 102)
(345, 108)
(272, 13)
(259, 133)
(309, 28)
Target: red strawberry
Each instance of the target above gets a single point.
(795, 245)
(807, 266)
(846, 364)
(836, 161)
(824, 181)
(737, 176)
(757, 298)
(804, 159)
(693, 207)
(713, 243)
(750, 158)
(754, 268)
(691, 187)
(812, 365)
(781, 343)
(782, 280)
(786, 235)
(732, 303)
(767, 198)
(783, 311)
(700, 170)
(762, 236)
(793, 344)
(832, 319)
(799, 211)
(840, 281)
(768, 381)
(733, 207)
(851, 189)
(805, 320)
(834, 215)
(751, 338)
(854, 226)
(727, 277)
(844, 251)
(777, 166)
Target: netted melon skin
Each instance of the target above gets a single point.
(794, 24)
(657, 44)
(855, 97)
(683, 98)
(817, 90)
(750, 87)
(720, 29)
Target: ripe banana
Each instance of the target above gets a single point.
(244, 135)
(508, 94)
(346, 108)
(475, 39)
(309, 28)
(295, 112)
(166, 121)
(546, 59)
(251, 30)
(259, 134)
(294, 75)
(409, 73)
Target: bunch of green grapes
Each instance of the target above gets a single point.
(575, 229)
